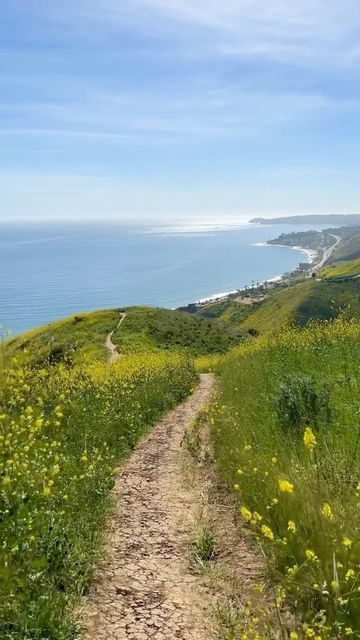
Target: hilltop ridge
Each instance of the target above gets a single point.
(328, 218)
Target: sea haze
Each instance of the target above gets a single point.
(54, 270)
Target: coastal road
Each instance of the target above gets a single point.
(327, 253)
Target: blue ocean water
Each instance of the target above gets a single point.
(49, 271)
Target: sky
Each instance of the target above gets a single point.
(178, 109)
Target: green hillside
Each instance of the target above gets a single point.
(78, 337)
(285, 433)
(348, 249)
(341, 269)
(82, 337)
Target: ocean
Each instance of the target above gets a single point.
(49, 271)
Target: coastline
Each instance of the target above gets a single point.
(312, 256)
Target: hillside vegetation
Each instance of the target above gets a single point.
(341, 269)
(63, 431)
(286, 439)
(82, 337)
(333, 292)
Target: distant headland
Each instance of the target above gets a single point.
(331, 218)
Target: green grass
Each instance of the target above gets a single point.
(298, 303)
(347, 269)
(348, 249)
(82, 337)
(148, 328)
(278, 309)
(63, 431)
(78, 338)
(308, 528)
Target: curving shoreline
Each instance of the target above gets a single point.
(218, 297)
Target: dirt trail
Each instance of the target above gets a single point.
(110, 346)
(145, 590)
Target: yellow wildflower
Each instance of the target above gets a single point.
(309, 439)
(350, 574)
(347, 542)
(266, 531)
(292, 570)
(246, 514)
(291, 526)
(285, 486)
(294, 635)
(47, 490)
(348, 631)
(335, 585)
(311, 555)
(326, 511)
(257, 517)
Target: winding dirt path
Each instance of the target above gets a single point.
(145, 589)
(110, 346)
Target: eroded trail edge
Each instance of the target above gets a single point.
(145, 589)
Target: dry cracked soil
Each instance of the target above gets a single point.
(145, 589)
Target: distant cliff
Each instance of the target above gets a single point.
(331, 218)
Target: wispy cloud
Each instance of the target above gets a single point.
(303, 32)
(157, 89)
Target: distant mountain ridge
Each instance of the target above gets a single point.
(331, 218)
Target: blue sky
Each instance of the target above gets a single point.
(178, 108)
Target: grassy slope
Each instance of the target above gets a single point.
(341, 269)
(166, 329)
(310, 300)
(279, 308)
(83, 336)
(80, 336)
(269, 392)
(348, 249)
(61, 441)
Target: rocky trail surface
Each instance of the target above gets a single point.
(145, 589)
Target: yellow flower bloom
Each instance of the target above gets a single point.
(348, 631)
(47, 491)
(311, 555)
(294, 635)
(350, 574)
(292, 570)
(291, 526)
(347, 542)
(335, 585)
(246, 514)
(309, 439)
(257, 517)
(266, 531)
(326, 511)
(285, 486)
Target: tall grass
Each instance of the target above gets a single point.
(286, 432)
(62, 433)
